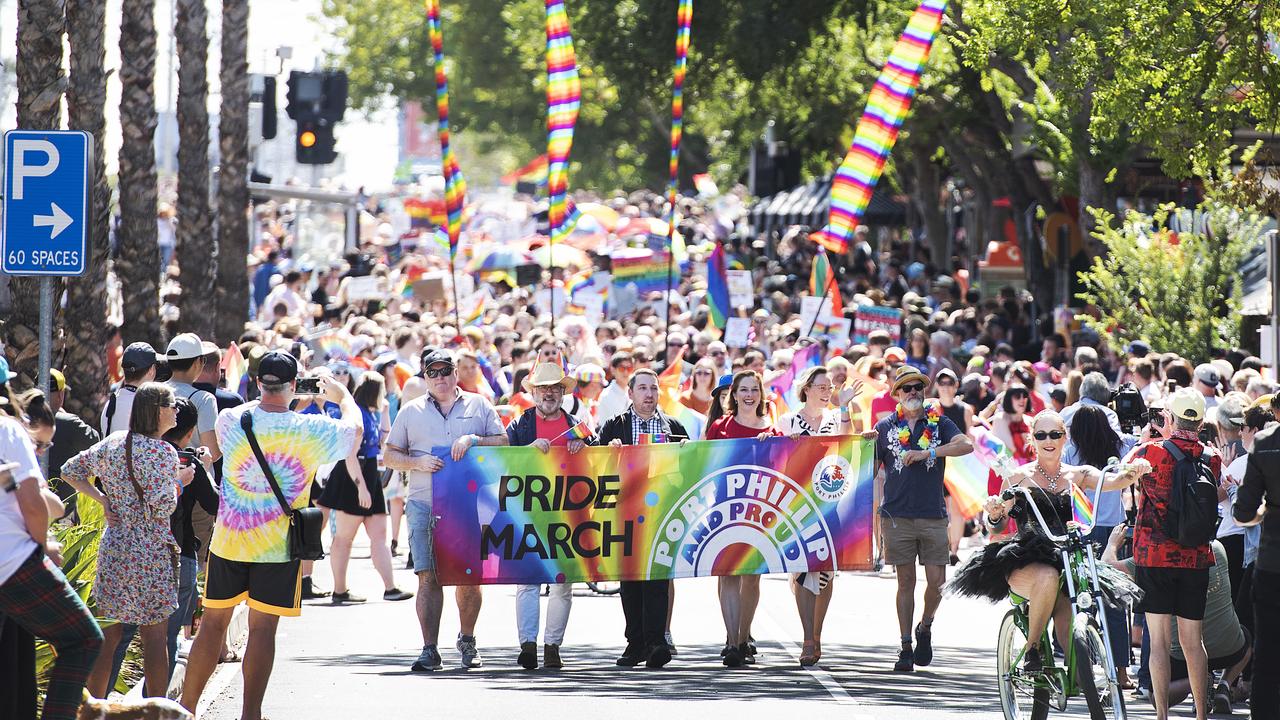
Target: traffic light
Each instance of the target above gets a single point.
(316, 100)
(315, 142)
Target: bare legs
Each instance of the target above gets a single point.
(430, 603)
(1192, 642)
(155, 659)
(375, 526)
(739, 596)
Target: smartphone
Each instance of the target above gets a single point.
(308, 386)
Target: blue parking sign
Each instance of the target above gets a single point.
(47, 179)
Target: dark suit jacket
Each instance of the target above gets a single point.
(619, 428)
(1262, 478)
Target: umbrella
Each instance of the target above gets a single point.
(565, 255)
(498, 258)
(607, 216)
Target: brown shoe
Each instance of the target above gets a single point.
(551, 657)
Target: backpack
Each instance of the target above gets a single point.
(1192, 516)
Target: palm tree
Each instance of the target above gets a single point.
(233, 190)
(40, 87)
(139, 263)
(196, 243)
(86, 318)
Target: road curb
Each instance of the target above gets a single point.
(237, 631)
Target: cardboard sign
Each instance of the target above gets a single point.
(741, 290)
(360, 289)
(736, 332)
(429, 289)
(875, 317)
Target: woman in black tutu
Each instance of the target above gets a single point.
(1029, 564)
(354, 493)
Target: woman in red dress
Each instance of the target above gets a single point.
(740, 594)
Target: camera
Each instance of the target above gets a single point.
(187, 457)
(1129, 406)
(308, 386)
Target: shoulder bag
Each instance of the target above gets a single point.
(142, 500)
(305, 524)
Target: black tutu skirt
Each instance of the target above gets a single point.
(340, 493)
(986, 573)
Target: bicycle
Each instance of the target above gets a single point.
(1089, 669)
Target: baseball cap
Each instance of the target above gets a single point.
(184, 347)
(57, 381)
(1207, 374)
(1139, 348)
(1187, 404)
(138, 356)
(434, 355)
(974, 379)
(947, 372)
(276, 368)
(895, 354)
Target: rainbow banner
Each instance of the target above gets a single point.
(645, 269)
(684, 20)
(564, 95)
(455, 187)
(718, 288)
(724, 507)
(877, 131)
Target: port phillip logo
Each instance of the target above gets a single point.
(744, 510)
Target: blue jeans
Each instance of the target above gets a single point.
(180, 617)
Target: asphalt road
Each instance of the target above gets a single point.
(353, 661)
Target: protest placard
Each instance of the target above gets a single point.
(874, 317)
(741, 290)
(735, 332)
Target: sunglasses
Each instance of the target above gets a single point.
(1019, 396)
(440, 372)
(1050, 435)
(675, 343)
(717, 353)
(43, 445)
(948, 383)
(913, 388)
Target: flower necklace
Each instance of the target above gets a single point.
(928, 437)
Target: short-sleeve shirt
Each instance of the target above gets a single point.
(251, 525)
(206, 404)
(554, 431)
(16, 544)
(795, 424)
(916, 490)
(420, 427)
(1151, 546)
(119, 420)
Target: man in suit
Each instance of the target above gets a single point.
(644, 602)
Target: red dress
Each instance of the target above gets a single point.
(726, 428)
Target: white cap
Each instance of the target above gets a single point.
(1187, 404)
(184, 347)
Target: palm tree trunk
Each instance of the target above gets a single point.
(139, 263)
(86, 318)
(196, 244)
(233, 191)
(40, 87)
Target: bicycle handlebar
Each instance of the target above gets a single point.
(1010, 493)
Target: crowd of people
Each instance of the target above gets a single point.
(343, 400)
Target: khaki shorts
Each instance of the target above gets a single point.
(906, 539)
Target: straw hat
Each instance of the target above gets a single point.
(908, 374)
(547, 374)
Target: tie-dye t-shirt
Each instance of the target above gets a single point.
(251, 526)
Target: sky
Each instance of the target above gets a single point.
(367, 147)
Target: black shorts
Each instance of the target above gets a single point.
(1172, 591)
(1178, 667)
(274, 588)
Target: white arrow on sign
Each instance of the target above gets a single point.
(59, 220)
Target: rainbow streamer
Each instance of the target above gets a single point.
(878, 129)
(665, 510)
(564, 95)
(718, 288)
(684, 19)
(455, 187)
(1081, 507)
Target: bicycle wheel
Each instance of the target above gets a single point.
(1093, 657)
(1020, 696)
(605, 588)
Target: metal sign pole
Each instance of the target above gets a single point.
(46, 331)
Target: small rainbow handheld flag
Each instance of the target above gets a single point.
(651, 438)
(581, 431)
(1081, 507)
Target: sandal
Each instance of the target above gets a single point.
(229, 656)
(817, 651)
(807, 656)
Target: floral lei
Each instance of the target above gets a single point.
(928, 438)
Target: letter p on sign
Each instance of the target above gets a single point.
(23, 170)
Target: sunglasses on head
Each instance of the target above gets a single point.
(1048, 435)
(439, 372)
(913, 387)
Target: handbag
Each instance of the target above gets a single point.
(305, 524)
(142, 500)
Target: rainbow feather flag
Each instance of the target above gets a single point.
(455, 187)
(684, 20)
(564, 95)
(658, 511)
(1081, 506)
(718, 288)
(877, 131)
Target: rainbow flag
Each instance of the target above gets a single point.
(581, 431)
(535, 172)
(647, 270)
(564, 95)
(455, 187)
(684, 19)
(331, 344)
(1081, 507)
(647, 512)
(425, 214)
(966, 476)
(822, 282)
(877, 131)
(669, 387)
(235, 369)
(718, 288)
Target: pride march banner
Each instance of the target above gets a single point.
(653, 512)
